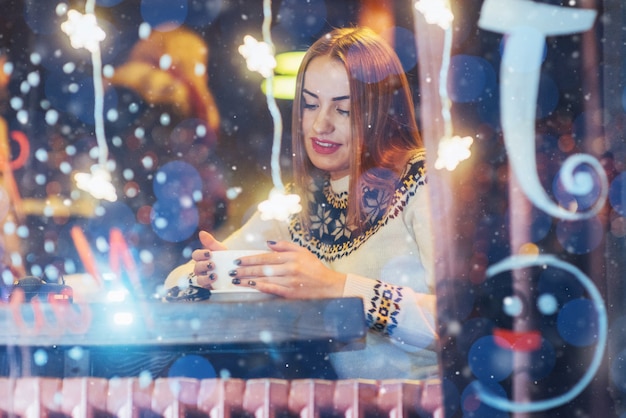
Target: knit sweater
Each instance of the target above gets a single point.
(388, 265)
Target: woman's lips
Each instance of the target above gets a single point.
(321, 146)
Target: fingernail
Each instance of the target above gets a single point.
(207, 254)
(237, 262)
(210, 266)
(271, 242)
(236, 281)
(251, 283)
(232, 273)
(212, 276)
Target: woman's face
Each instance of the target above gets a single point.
(326, 116)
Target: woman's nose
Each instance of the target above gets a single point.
(323, 122)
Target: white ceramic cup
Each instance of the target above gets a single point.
(224, 262)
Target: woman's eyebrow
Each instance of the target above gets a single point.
(334, 99)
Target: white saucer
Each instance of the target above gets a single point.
(242, 294)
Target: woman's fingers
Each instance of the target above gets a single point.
(208, 241)
(201, 255)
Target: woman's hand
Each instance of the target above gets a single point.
(203, 267)
(289, 271)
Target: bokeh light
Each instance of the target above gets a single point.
(617, 194)
(489, 361)
(298, 22)
(111, 215)
(577, 323)
(472, 404)
(469, 77)
(404, 45)
(173, 220)
(108, 3)
(202, 13)
(580, 237)
(177, 180)
(164, 15)
(192, 366)
(41, 17)
(617, 370)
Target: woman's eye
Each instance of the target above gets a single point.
(343, 112)
(308, 106)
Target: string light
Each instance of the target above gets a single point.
(84, 32)
(260, 57)
(436, 12)
(452, 149)
(97, 183)
(279, 206)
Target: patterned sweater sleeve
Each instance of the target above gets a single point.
(398, 312)
(404, 314)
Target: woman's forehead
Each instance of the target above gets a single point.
(326, 76)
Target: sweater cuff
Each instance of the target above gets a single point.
(358, 286)
(380, 300)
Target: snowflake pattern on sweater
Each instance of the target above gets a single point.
(330, 238)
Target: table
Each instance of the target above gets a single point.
(102, 339)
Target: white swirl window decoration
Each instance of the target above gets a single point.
(526, 25)
(500, 402)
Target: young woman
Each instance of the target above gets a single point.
(365, 228)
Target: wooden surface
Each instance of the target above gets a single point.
(216, 323)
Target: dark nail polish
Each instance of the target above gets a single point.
(237, 262)
(236, 281)
(212, 276)
(210, 266)
(251, 283)
(207, 254)
(271, 242)
(232, 273)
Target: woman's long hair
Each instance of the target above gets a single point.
(382, 116)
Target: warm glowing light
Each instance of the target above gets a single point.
(259, 56)
(288, 63)
(117, 295)
(452, 151)
(284, 86)
(279, 206)
(123, 318)
(436, 12)
(529, 248)
(83, 30)
(98, 183)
